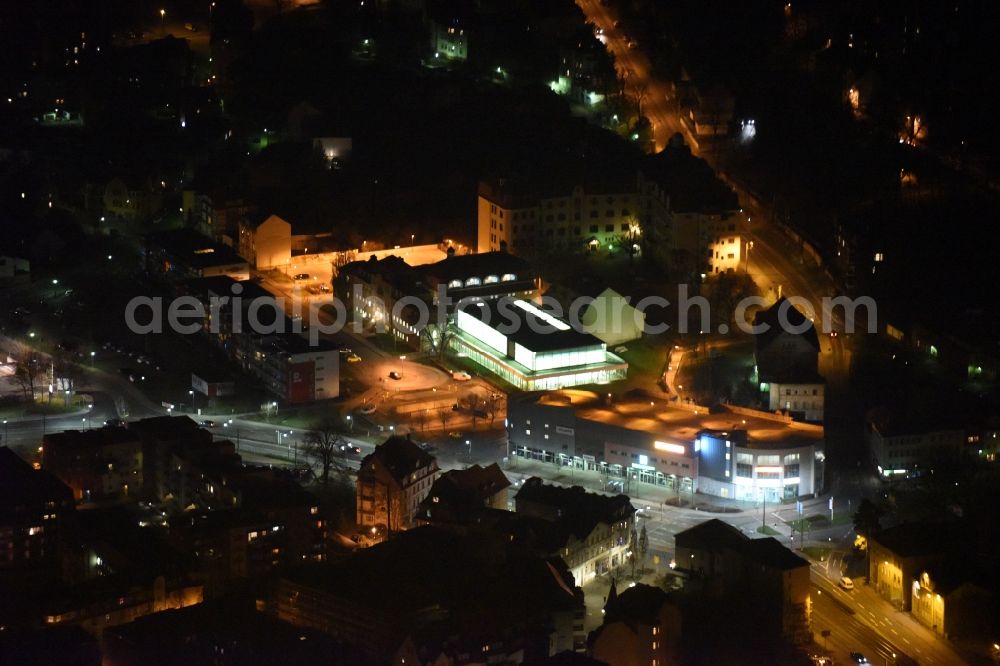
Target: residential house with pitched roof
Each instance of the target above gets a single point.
(392, 482)
(787, 360)
(593, 530)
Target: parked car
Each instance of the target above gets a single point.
(367, 409)
(454, 434)
(301, 276)
(621, 349)
(461, 376)
(846, 583)
(353, 358)
(395, 375)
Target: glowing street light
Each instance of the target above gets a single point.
(163, 16)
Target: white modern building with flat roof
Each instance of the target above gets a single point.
(530, 348)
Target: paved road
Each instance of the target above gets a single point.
(897, 631)
(633, 66)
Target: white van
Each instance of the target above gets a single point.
(846, 583)
(460, 376)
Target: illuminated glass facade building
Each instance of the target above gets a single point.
(531, 349)
(734, 455)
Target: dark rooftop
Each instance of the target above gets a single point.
(794, 319)
(462, 266)
(641, 604)
(192, 249)
(393, 269)
(400, 456)
(689, 182)
(164, 426)
(441, 567)
(923, 538)
(20, 485)
(193, 635)
(769, 552)
(292, 343)
(89, 438)
(578, 511)
(715, 534)
(482, 481)
(712, 533)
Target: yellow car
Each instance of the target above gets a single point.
(353, 358)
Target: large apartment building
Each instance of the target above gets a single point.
(604, 216)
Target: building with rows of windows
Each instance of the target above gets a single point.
(526, 218)
(737, 454)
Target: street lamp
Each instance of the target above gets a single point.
(163, 16)
(92, 355)
(350, 423)
(228, 423)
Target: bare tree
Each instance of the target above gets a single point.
(643, 547)
(268, 409)
(473, 404)
(492, 404)
(633, 550)
(443, 415)
(420, 418)
(28, 371)
(66, 368)
(121, 408)
(325, 443)
(640, 90)
(437, 338)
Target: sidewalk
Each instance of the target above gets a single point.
(641, 493)
(30, 418)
